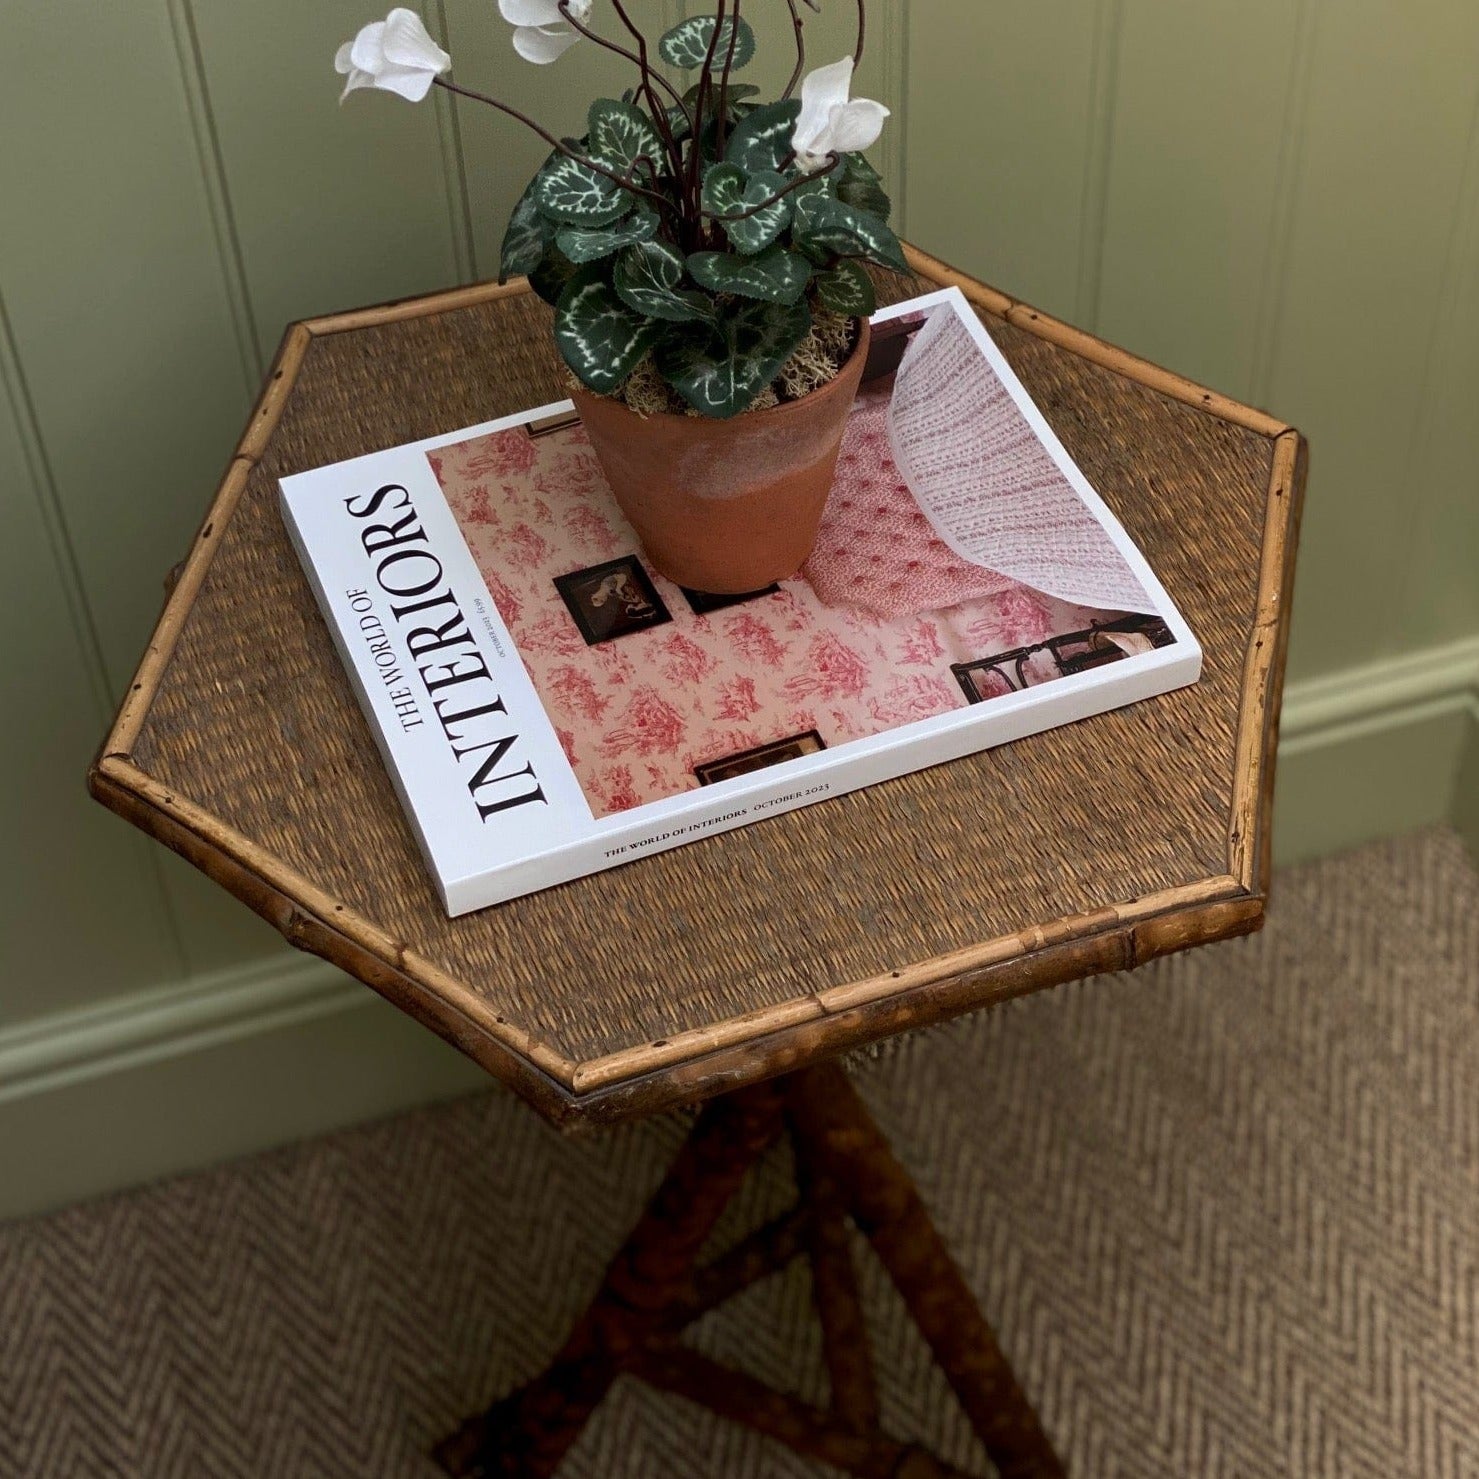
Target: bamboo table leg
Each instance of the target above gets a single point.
(654, 1288)
(529, 1433)
(842, 1137)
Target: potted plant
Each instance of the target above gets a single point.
(703, 252)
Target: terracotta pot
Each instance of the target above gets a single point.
(726, 506)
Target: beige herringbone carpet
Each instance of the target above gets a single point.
(1224, 1213)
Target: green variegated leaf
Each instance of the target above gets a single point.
(736, 98)
(552, 274)
(583, 246)
(847, 289)
(601, 339)
(731, 197)
(818, 256)
(649, 278)
(573, 194)
(762, 141)
(831, 225)
(776, 275)
(527, 238)
(724, 185)
(687, 44)
(754, 232)
(823, 186)
(719, 369)
(861, 186)
(620, 135)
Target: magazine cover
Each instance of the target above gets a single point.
(547, 705)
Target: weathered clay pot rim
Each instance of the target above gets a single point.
(775, 412)
(726, 505)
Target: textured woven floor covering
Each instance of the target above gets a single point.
(1224, 1214)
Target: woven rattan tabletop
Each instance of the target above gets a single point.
(1090, 848)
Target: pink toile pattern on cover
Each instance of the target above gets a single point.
(837, 650)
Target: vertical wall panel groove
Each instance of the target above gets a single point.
(1288, 172)
(454, 170)
(94, 665)
(53, 519)
(218, 197)
(893, 150)
(140, 901)
(335, 206)
(998, 132)
(1382, 144)
(1109, 20)
(135, 375)
(1449, 398)
(1463, 243)
(1190, 182)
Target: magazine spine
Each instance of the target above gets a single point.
(378, 731)
(842, 774)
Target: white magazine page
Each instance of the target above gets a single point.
(991, 474)
(462, 731)
(407, 548)
(987, 482)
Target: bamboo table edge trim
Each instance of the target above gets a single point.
(721, 1057)
(705, 1061)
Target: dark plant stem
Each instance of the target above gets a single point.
(690, 226)
(800, 27)
(795, 184)
(724, 79)
(617, 179)
(651, 78)
(650, 75)
(700, 119)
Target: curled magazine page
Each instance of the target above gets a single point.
(549, 703)
(991, 489)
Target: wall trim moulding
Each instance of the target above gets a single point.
(281, 990)
(1391, 693)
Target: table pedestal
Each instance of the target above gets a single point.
(655, 1288)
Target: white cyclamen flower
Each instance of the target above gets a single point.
(830, 122)
(396, 55)
(542, 33)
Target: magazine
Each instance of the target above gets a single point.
(548, 705)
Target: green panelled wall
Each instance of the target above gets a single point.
(1279, 197)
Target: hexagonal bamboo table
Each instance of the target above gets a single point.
(726, 963)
